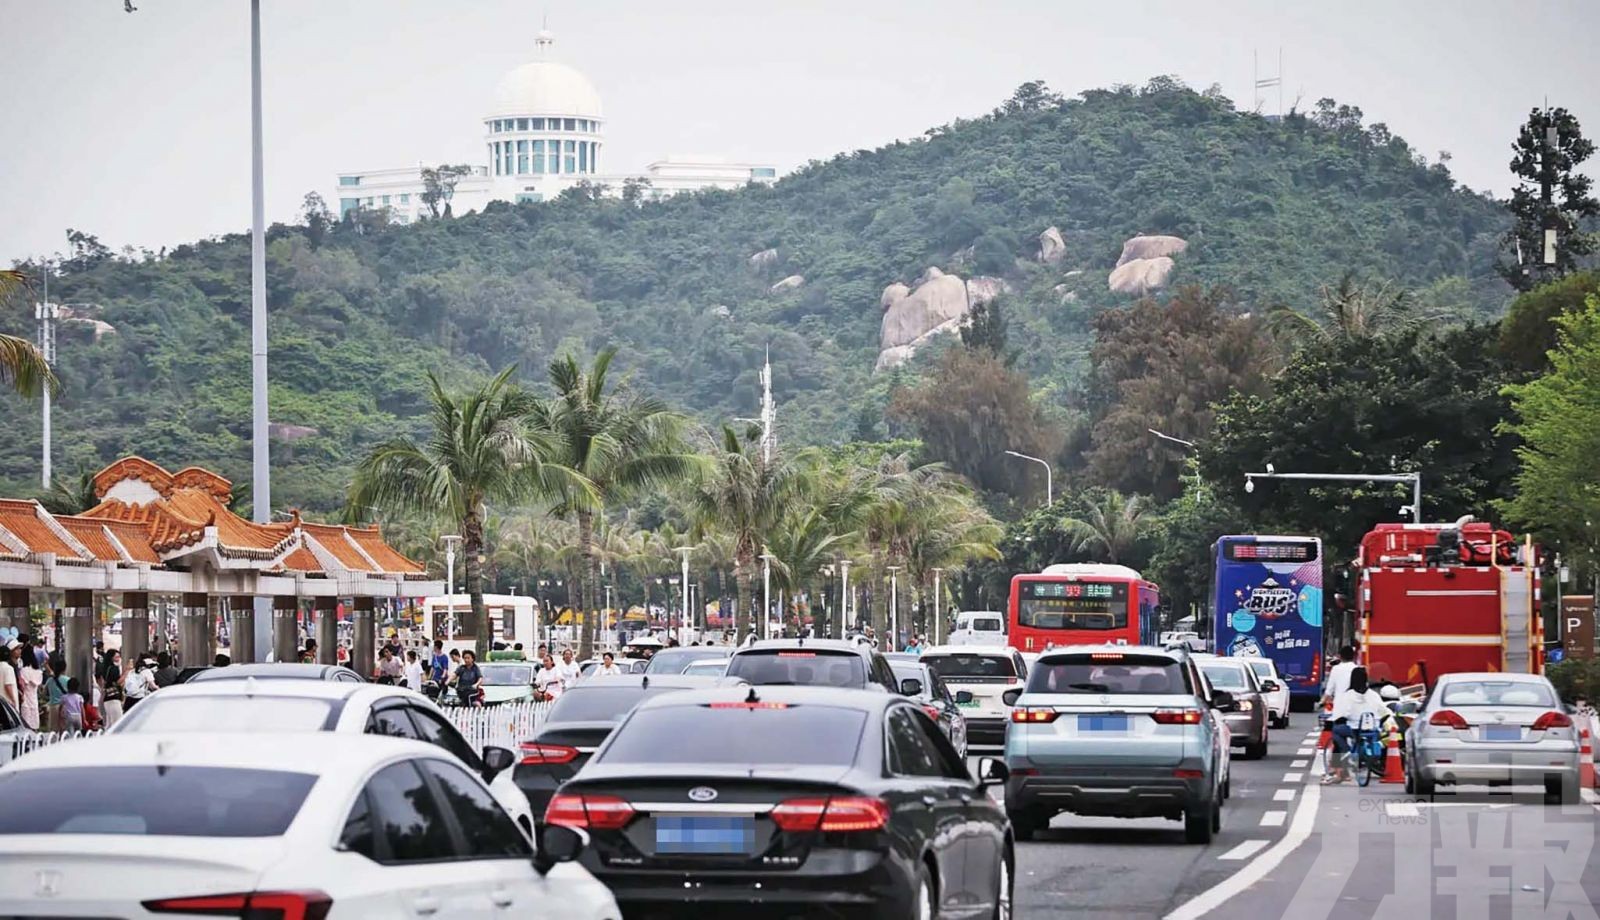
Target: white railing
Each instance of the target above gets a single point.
(502, 725)
(12, 748)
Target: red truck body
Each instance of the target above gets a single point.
(1443, 598)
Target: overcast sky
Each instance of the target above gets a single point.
(135, 126)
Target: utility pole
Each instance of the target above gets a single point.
(261, 473)
(766, 595)
(769, 411)
(450, 541)
(46, 313)
(894, 606)
(936, 618)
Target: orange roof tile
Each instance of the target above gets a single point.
(331, 538)
(302, 560)
(386, 556)
(132, 467)
(21, 518)
(164, 528)
(92, 534)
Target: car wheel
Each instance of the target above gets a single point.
(1423, 785)
(1255, 751)
(1199, 826)
(1411, 784)
(922, 899)
(1002, 897)
(1227, 785)
(1024, 825)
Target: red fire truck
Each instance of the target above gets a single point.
(1442, 598)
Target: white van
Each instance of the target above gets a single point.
(979, 627)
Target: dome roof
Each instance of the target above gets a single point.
(545, 88)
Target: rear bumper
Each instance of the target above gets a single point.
(539, 784)
(1451, 762)
(849, 882)
(986, 731)
(1117, 792)
(1246, 727)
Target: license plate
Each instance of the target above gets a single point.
(705, 835)
(1502, 733)
(1102, 723)
(974, 704)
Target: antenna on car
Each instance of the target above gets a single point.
(644, 682)
(751, 696)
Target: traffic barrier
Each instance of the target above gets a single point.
(24, 744)
(1392, 771)
(502, 726)
(1585, 759)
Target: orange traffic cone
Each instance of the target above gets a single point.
(1325, 740)
(1586, 777)
(1392, 771)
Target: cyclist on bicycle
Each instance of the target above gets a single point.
(1348, 708)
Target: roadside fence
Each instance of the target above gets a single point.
(503, 725)
(16, 746)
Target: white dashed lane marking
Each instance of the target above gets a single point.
(1274, 818)
(1293, 777)
(1298, 764)
(1283, 795)
(1244, 850)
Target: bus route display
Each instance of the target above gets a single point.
(1271, 552)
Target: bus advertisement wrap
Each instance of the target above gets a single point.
(1268, 603)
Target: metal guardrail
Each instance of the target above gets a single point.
(503, 725)
(15, 747)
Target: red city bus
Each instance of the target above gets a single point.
(1081, 604)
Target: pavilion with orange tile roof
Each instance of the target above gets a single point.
(157, 532)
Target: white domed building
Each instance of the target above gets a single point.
(544, 132)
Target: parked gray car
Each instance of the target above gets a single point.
(1247, 718)
(1497, 729)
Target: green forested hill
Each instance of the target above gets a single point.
(358, 309)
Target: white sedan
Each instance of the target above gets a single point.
(154, 825)
(293, 706)
(1278, 697)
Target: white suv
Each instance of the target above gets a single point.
(987, 672)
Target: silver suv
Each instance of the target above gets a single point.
(1115, 731)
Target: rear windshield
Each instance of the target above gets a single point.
(1226, 677)
(518, 676)
(1497, 693)
(1263, 669)
(1108, 673)
(795, 735)
(956, 668)
(600, 704)
(674, 660)
(152, 801)
(820, 667)
(263, 715)
(985, 624)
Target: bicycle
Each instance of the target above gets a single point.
(1365, 757)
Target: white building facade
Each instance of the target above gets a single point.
(544, 133)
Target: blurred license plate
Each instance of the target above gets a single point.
(705, 835)
(970, 704)
(1102, 723)
(1502, 733)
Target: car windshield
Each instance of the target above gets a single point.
(1108, 672)
(958, 668)
(674, 660)
(740, 733)
(502, 676)
(824, 667)
(150, 800)
(985, 624)
(1263, 669)
(713, 668)
(263, 715)
(1497, 693)
(1226, 677)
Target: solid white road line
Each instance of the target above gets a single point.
(1298, 763)
(1244, 850)
(1283, 795)
(1293, 777)
(1274, 818)
(1305, 817)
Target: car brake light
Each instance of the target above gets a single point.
(1032, 714)
(744, 705)
(1449, 718)
(1552, 720)
(1106, 656)
(1012, 679)
(838, 814)
(535, 753)
(1176, 716)
(797, 654)
(1188, 774)
(254, 905)
(598, 812)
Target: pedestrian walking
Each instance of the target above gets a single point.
(413, 670)
(608, 666)
(55, 684)
(467, 678)
(137, 684)
(547, 683)
(110, 678)
(439, 664)
(166, 672)
(29, 680)
(390, 670)
(8, 674)
(569, 669)
(70, 709)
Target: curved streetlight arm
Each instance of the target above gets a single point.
(1049, 484)
(1414, 478)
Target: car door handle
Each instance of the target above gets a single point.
(426, 905)
(966, 798)
(501, 897)
(929, 801)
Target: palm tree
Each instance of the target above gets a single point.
(744, 496)
(1352, 309)
(22, 367)
(621, 442)
(954, 532)
(481, 451)
(1110, 525)
(71, 496)
(803, 541)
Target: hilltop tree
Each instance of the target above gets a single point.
(439, 186)
(1546, 155)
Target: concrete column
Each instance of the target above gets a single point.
(14, 610)
(242, 629)
(327, 612)
(77, 628)
(285, 628)
(196, 637)
(135, 626)
(158, 628)
(364, 636)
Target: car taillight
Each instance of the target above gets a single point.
(1012, 679)
(1449, 718)
(597, 812)
(932, 711)
(1552, 720)
(840, 813)
(1032, 714)
(252, 905)
(535, 753)
(1176, 716)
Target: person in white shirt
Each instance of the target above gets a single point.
(568, 668)
(137, 683)
(1349, 706)
(547, 683)
(413, 670)
(1339, 675)
(608, 666)
(8, 675)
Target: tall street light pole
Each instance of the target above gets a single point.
(450, 540)
(894, 607)
(261, 474)
(1168, 437)
(1414, 478)
(936, 618)
(1049, 484)
(844, 596)
(688, 624)
(766, 595)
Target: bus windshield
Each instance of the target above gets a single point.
(1072, 605)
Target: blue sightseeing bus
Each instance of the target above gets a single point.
(1268, 604)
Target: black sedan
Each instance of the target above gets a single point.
(805, 801)
(579, 720)
(922, 684)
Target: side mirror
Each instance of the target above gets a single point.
(910, 687)
(1223, 700)
(963, 696)
(1010, 697)
(1270, 686)
(496, 760)
(558, 844)
(992, 771)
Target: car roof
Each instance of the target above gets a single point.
(293, 687)
(276, 670)
(843, 645)
(1176, 654)
(850, 698)
(1492, 676)
(968, 650)
(643, 681)
(1222, 661)
(334, 753)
